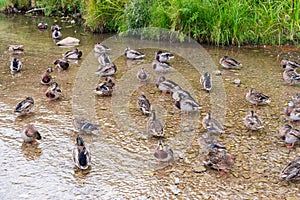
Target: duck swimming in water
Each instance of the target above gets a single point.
(81, 154)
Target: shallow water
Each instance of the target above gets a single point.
(123, 166)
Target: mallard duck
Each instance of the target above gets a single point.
(133, 54)
(212, 125)
(253, 122)
(42, 25)
(290, 135)
(15, 65)
(161, 67)
(219, 159)
(165, 85)
(61, 64)
(81, 154)
(154, 126)
(100, 48)
(144, 105)
(107, 70)
(163, 56)
(83, 126)
(53, 92)
(229, 63)
(207, 142)
(56, 34)
(142, 75)
(25, 106)
(206, 81)
(104, 59)
(163, 153)
(73, 54)
(55, 27)
(46, 77)
(291, 171)
(291, 76)
(16, 49)
(178, 90)
(104, 89)
(29, 134)
(292, 111)
(186, 104)
(256, 98)
(288, 64)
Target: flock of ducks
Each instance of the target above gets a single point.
(216, 154)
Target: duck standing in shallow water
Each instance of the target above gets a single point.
(291, 76)
(73, 54)
(163, 153)
(229, 63)
(46, 77)
(29, 134)
(154, 126)
(144, 105)
(256, 98)
(15, 65)
(291, 171)
(83, 126)
(206, 81)
(186, 104)
(53, 92)
(142, 75)
(163, 56)
(25, 106)
(212, 125)
(165, 85)
(253, 122)
(161, 67)
(107, 70)
(290, 135)
(81, 154)
(133, 54)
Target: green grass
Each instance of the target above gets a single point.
(218, 22)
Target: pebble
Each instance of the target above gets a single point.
(199, 169)
(175, 190)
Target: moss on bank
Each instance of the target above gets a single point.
(219, 22)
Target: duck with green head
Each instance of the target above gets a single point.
(81, 154)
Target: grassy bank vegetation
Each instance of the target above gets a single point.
(219, 22)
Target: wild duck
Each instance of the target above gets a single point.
(290, 107)
(144, 105)
(212, 125)
(178, 90)
(290, 135)
(253, 122)
(154, 126)
(165, 85)
(61, 64)
(291, 76)
(219, 159)
(288, 64)
(53, 92)
(229, 63)
(104, 59)
(143, 75)
(16, 49)
(133, 54)
(46, 77)
(103, 89)
(206, 81)
(292, 111)
(207, 142)
(186, 104)
(55, 27)
(107, 70)
(291, 171)
(161, 67)
(81, 154)
(15, 65)
(100, 48)
(83, 126)
(25, 106)
(163, 153)
(56, 34)
(73, 54)
(42, 25)
(163, 56)
(256, 98)
(30, 134)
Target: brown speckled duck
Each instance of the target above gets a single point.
(291, 171)
(46, 77)
(256, 98)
